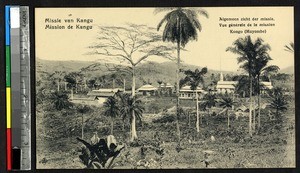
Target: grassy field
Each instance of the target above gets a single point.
(272, 147)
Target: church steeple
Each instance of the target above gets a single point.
(221, 77)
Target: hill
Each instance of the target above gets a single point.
(147, 72)
(288, 70)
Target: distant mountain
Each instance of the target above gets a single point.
(148, 72)
(288, 70)
(68, 66)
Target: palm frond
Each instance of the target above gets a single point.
(290, 47)
(165, 19)
(159, 10)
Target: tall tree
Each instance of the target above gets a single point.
(248, 51)
(111, 110)
(129, 45)
(181, 27)
(227, 103)
(261, 68)
(195, 78)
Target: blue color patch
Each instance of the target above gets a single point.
(7, 25)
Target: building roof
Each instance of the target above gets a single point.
(147, 88)
(104, 92)
(268, 85)
(187, 88)
(168, 85)
(226, 84)
(242, 108)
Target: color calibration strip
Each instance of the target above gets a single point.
(8, 89)
(18, 88)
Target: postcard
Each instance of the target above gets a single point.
(165, 88)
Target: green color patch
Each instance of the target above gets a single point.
(8, 65)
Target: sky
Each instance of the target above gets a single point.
(208, 50)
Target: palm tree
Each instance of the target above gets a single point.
(261, 67)
(60, 99)
(131, 107)
(278, 102)
(82, 109)
(248, 52)
(195, 78)
(57, 78)
(227, 103)
(242, 86)
(209, 101)
(111, 110)
(181, 27)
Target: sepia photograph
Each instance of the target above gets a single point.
(165, 88)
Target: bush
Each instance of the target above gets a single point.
(165, 119)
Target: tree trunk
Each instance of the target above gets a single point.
(85, 85)
(197, 112)
(123, 126)
(189, 119)
(76, 86)
(71, 93)
(133, 82)
(133, 128)
(177, 81)
(113, 84)
(65, 86)
(228, 120)
(250, 108)
(258, 102)
(254, 115)
(124, 85)
(111, 126)
(57, 85)
(133, 121)
(82, 126)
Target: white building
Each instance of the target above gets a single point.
(229, 86)
(147, 89)
(103, 93)
(186, 92)
(225, 86)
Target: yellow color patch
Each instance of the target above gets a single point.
(8, 108)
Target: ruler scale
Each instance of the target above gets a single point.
(25, 90)
(18, 88)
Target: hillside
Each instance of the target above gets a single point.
(288, 70)
(148, 72)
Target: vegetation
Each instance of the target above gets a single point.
(82, 109)
(181, 27)
(134, 44)
(60, 100)
(278, 102)
(227, 103)
(155, 130)
(131, 105)
(195, 78)
(111, 110)
(253, 57)
(290, 47)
